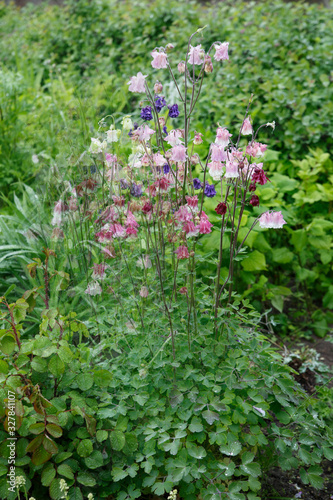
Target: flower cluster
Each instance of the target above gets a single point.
(163, 182)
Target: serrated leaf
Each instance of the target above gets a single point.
(85, 381)
(117, 440)
(231, 449)
(40, 456)
(252, 469)
(101, 435)
(56, 366)
(95, 460)
(210, 416)
(66, 471)
(48, 475)
(86, 479)
(54, 430)
(195, 451)
(85, 448)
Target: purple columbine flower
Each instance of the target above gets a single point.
(159, 103)
(146, 114)
(166, 168)
(136, 190)
(210, 190)
(124, 184)
(197, 184)
(173, 111)
(165, 130)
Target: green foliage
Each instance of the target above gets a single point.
(204, 424)
(63, 64)
(300, 259)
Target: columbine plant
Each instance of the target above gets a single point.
(151, 200)
(197, 422)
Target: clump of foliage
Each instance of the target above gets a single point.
(162, 382)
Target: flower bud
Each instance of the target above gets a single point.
(194, 159)
(183, 290)
(169, 47)
(254, 200)
(144, 292)
(198, 138)
(161, 121)
(181, 67)
(208, 65)
(158, 87)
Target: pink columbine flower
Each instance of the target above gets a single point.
(162, 185)
(217, 153)
(231, 171)
(59, 208)
(192, 202)
(178, 153)
(99, 271)
(272, 220)
(181, 67)
(197, 138)
(173, 138)
(118, 231)
(73, 203)
(182, 252)
(215, 170)
(247, 127)
(143, 133)
(131, 220)
(196, 55)
(159, 59)
(159, 160)
(204, 225)
(93, 288)
(221, 53)
(190, 229)
(137, 83)
(183, 214)
(222, 137)
(131, 231)
(144, 292)
(108, 252)
(119, 201)
(158, 87)
(256, 149)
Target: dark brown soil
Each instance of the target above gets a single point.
(285, 485)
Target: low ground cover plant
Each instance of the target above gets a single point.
(131, 373)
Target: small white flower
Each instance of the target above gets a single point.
(272, 124)
(90, 496)
(172, 495)
(97, 146)
(19, 481)
(113, 134)
(93, 289)
(35, 159)
(127, 123)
